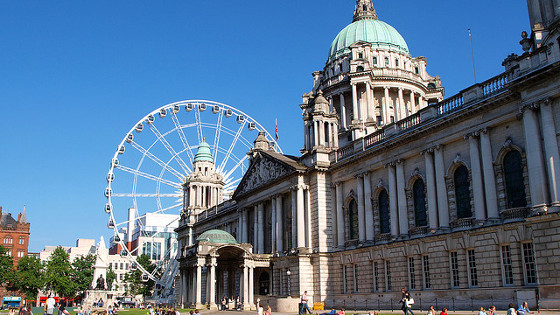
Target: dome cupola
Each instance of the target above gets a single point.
(203, 153)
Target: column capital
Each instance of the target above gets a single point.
(399, 161)
(484, 130)
(359, 175)
(386, 87)
(390, 164)
(473, 134)
(338, 183)
(427, 151)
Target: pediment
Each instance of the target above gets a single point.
(263, 170)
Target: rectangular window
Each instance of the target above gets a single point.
(360, 55)
(344, 279)
(388, 276)
(375, 60)
(355, 278)
(529, 266)
(375, 276)
(21, 240)
(9, 252)
(20, 253)
(507, 268)
(454, 266)
(396, 62)
(411, 274)
(126, 266)
(122, 266)
(473, 275)
(426, 274)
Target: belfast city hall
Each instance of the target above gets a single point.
(454, 198)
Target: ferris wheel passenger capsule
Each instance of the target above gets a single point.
(150, 119)
(108, 192)
(252, 126)
(139, 127)
(108, 208)
(111, 224)
(162, 112)
(129, 138)
(110, 177)
(133, 266)
(121, 149)
(240, 119)
(123, 253)
(176, 108)
(116, 238)
(229, 113)
(189, 107)
(215, 109)
(202, 107)
(115, 162)
(145, 278)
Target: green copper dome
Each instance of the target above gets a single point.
(217, 236)
(203, 153)
(380, 34)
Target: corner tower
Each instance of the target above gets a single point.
(370, 79)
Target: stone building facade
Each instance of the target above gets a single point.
(455, 199)
(14, 236)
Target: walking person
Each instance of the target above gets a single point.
(49, 305)
(408, 302)
(403, 298)
(511, 309)
(431, 311)
(304, 301)
(524, 309)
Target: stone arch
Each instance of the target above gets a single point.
(351, 217)
(508, 147)
(413, 218)
(450, 184)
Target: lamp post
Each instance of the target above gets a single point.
(288, 273)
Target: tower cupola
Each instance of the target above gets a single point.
(364, 11)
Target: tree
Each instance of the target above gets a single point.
(29, 277)
(58, 274)
(7, 273)
(111, 276)
(134, 277)
(82, 273)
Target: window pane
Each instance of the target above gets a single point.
(472, 268)
(507, 265)
(353, 220)
(529, 264)
(462, 192)
(454, 262)
(420, 203)
(384, 218)
(426, 265)
(411, 273)
(513, 172)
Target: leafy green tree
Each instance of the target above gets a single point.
(134, 277)
(82, 273)
(29, 277)
(111, 276)
(7, 273)
(58, 274)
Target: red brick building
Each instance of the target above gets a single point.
(14, 234)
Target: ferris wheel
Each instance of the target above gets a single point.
(145, 180)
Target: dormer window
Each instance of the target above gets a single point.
(360, 55)
(416, 70)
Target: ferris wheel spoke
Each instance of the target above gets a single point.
(240, 163)
(148, 176)
(232, 145)
(157, 160)
(198, 125)
(169, 148)
(182, 137)
(218, 133)
(231, 184)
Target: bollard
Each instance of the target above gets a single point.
(420, 300)
(391, 305)
(472, 306)
(437, 307)
(378, 309)
(453, 301)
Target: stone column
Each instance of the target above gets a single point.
(251, 286)
(330, 104)
(443, 207)
(401, 195)
(198, 287)
(261, 226)
(393, 200)
(308, 218)
(339, 215)
(212, 284)
(412, 101)
(369, 102)
(240, 226)
(246, 225)
(431, 187)
(294, 217)
(369, 208)
(478, 188)
(535, 164)
(402, 105)
(386, 116)
(342, 111)
(279, 226)
(361, 210)
(335, 135)
(300, 218)
(489, 175)
(355, 110)
(273, 232)
(245, 286)
(551, 152)
(315, 134)
(256, 228)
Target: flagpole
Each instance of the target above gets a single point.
(472, 55)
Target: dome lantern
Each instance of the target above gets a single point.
(364, 10)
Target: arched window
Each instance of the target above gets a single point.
(384, 219)
(462, 192)
(359, 69)
(353, 220)
(419, 203)
(513, 172)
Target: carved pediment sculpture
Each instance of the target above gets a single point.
(262, 171)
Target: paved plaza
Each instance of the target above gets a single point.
(397, 312)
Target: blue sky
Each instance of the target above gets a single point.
(77, 75)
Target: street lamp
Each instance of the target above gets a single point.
(288, 273)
